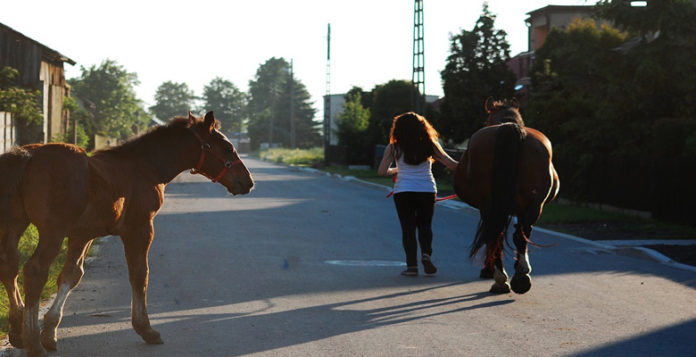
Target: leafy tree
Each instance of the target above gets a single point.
(75, 133)
(23, 104)
(388, 100)
(228, 103)
(476, 69)
(351, 127)
(269, 107)
(172, 99)
(112, 106)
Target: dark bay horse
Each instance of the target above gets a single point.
(116, 191)
(506, 171)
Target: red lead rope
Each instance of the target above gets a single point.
(437, 199)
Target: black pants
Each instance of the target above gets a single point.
(415, 210)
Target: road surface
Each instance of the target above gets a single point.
(308, 265)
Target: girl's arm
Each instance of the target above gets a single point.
(384, 168)
(441, 156)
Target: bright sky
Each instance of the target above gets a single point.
(195, 41)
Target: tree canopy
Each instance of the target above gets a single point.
(172, 99)
(269, 107)
(476, 69)
(108, 91)
(228, 103)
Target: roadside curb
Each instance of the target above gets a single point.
(623, 249)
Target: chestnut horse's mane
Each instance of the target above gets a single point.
(504, 111)
(142, 142)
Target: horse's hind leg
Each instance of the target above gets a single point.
(521, 282)
(501, 285)
(35, 275)
(9, 269)
(69, 277)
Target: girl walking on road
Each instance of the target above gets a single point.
(413, 146)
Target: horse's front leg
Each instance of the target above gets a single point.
(501, 285)
(136, 243)
(521, 282)
(68, 279)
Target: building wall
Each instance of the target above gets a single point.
(40, 68)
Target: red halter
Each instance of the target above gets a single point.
(205, 147)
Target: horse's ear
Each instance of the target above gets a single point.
(209, 121)
(514, 103)
(191, 118)
(489, 105)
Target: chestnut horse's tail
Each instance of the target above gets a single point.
(495, 217)
(12, 165)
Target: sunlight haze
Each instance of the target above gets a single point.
(193, 42)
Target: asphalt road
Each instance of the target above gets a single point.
(308, 265)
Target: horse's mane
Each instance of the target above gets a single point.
(504, 111)
(141, 142)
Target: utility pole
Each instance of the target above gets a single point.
(292, 108)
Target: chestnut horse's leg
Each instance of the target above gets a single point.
(69, 277)
(521, 282)
(9, 269)
(495, 254)
(35, 275)
(136, 243)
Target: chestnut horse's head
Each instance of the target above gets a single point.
(503, 111)
(218, 159)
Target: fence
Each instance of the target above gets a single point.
(8, 132)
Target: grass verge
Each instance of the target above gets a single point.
(26, 247)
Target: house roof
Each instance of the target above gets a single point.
(48, 52)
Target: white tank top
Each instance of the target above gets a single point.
(414, 178)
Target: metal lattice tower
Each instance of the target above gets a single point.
(418, 76)
(327, 96)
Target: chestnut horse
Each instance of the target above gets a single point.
(116, 191)
(506, 171)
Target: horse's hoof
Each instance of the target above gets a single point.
(500, 289)
(152, 338)
(15, 339)
(521, 283)
(486, 273)
(37, 352)
(49, 342)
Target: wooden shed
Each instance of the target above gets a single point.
(40, 68)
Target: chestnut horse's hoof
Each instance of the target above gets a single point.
(521, 283)
(486, 273)
(49, 341)
(500, 288)
(152, 337)
(15, 339)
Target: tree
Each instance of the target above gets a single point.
(23, 104)
(228, 103)
(476, 69)
(351, 128)
(388, 101)
(112, 107)
(269, 107)
(172, 99)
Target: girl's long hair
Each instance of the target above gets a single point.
(413, 137)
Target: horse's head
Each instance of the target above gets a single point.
(219, 160)
(503, 111)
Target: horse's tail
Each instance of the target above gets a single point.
(12, 165)
(496, 215)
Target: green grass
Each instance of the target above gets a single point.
(26, 247)
(300, 157)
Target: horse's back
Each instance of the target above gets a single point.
(54, 184)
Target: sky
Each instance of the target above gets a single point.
(195, 41)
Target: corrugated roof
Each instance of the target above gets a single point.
(51, 53)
